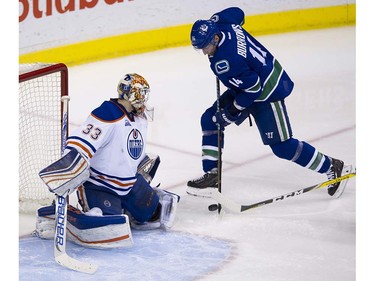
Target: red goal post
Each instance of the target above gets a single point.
(43, 128)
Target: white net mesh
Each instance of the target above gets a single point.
(39, 131)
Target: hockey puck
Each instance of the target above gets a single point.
(213, 207)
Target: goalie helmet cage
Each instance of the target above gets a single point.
(42, 88)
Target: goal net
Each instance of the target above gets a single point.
(42, 128)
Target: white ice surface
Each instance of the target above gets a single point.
(309, 238)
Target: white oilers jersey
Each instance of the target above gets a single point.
(114, 141)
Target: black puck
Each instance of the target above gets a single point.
(213, 207)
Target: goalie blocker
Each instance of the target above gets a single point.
(66, 174)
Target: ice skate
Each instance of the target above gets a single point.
(203, 185)
(336, 170)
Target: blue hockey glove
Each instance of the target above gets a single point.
(224, 118)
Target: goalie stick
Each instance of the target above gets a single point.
(239, 208)
(61, 257)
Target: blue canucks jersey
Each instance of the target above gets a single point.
(244, 65)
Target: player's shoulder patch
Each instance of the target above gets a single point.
(222, 66)
(108, 112)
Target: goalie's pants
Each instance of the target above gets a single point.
(141, 202)
(273, 124)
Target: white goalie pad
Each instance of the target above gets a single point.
(168, 207)
(91, 230)
(66, 174)
(168, 203)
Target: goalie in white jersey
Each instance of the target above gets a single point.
(113, 142)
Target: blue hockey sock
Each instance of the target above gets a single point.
(303, 154)
(210, 149)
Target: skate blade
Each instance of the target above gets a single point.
(346, 170)
(200, 192)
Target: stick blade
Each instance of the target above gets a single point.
(347, 170)
(74, 264)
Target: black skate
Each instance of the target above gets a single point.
(203, 186)
(336, 170)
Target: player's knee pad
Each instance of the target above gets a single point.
(206, 120)
(285, 150)
(142, 201)
(91, 196)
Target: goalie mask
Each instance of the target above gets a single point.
(135, 89)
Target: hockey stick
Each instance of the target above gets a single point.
(61, 257)
(219, 143)
(239, 208)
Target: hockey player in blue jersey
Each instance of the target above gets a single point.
(257, 86)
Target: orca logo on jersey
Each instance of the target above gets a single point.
(222, 66)
(135, 144)
(215, 18)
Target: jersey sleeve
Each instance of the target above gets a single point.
(232, 15)
(241, 78)
(247, 87)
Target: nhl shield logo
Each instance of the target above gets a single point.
(135, 144)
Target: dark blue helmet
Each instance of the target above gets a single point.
(202, 33)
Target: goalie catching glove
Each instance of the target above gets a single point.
(66, 174)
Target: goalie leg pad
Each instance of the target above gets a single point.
(45, 223)
(87, 230)
(142, 201)
(165, 213)
(93, 231)
(168, 201)
(66, 174)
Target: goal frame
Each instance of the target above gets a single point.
(44, 70)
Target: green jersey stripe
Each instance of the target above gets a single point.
(280, 120)
(271, 82)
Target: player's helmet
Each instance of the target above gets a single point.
(135, 89)
(202, 33)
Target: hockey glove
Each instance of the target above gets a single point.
(66, 174)
(224, 117)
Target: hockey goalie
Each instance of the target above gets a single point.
(106, 165)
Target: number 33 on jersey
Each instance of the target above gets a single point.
(112, 135)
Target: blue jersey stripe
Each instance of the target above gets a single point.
(84, 141)
(111, 176)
